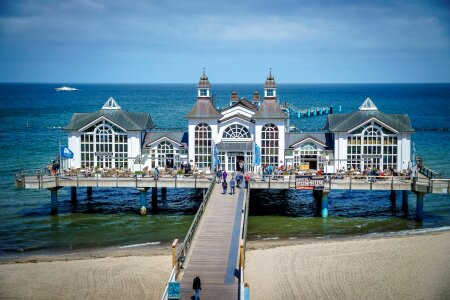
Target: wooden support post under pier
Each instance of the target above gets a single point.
(393, 196)
(324, 206)
(405, 201)
(154, 197)
(419, 206)
(164, 192)
(143, 200)
(54, 201)
(73, 194)
(89, 191)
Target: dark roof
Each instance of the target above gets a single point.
(243, 102)
(346, 122)
(293, 138)
(204, 108)
(177, 136)
(130, 121)
(270, 109)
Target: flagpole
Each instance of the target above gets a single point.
(59, 155)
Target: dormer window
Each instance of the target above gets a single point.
(269, 93)
(203, 92)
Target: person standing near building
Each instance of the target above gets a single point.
(155, 173)
(232, 185)
(197, 286)
(224, 175)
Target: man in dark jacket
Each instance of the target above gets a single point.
(197, 286)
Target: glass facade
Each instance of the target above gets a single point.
(105, 146)
(372, 146)
(203, 146)
(269, 145)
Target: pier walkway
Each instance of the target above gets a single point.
(214, 253)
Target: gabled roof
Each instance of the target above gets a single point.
(130, 121)
(366, 112)
(244, 103)
(294, 138)
(204, 108)
(240, 116)
(178, 137)
(347, 122)
(270, 109)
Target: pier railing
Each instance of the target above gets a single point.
(243, 288)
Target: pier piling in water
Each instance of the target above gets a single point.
(154, 196)
(89, 191)
(73, 194)
(54, 201)
(324, 206)
(164, 192)
(143, 200)
(419, 206)
(405, 201)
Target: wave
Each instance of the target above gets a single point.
(140, 245)
(408, 232)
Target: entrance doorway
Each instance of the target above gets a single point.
(240, 163)
(169, 161)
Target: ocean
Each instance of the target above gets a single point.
(32, 118)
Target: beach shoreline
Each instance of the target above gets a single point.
(329, 268)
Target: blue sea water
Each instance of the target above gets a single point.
(32, 117)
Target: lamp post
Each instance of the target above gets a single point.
(327, 158)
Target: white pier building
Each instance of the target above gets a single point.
(114, 138)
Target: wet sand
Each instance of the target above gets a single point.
(409, 267)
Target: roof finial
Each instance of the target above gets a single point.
(270, 72)
(203, 70)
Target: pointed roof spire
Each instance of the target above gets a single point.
(111, 104)
(270, 81)
(368, 105)
(204, 82)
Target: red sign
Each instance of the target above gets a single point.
(309, 182)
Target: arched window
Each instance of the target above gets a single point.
(372, 146)
(269, 145)
(105, 146)
(308, 157)
(203, 146)
(236, 131)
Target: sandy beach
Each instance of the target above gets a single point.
(408, 267)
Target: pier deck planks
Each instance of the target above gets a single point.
(211, 251)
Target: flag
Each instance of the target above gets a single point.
(216, 156)
(65, 152)
(257, 156)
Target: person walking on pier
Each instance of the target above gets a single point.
(232, 185)
(155, 173)
(196, 286)
(247, 179)
(219, 175)
(224, 186)
(224, 175)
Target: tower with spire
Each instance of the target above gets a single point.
(270, 87)
(203, 88)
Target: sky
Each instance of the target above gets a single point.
(146, 41)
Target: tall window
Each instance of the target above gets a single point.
(203, 146)
(104, 145)
(236, 131)
(165, 151)
(269, 145)
(372, 146)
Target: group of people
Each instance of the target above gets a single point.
(53, 167)
(221, 177)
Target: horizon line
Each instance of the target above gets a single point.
(241, 83)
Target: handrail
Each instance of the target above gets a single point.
(242, 243)
(429, 173)
(172, 277)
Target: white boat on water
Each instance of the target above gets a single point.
(65, 89)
